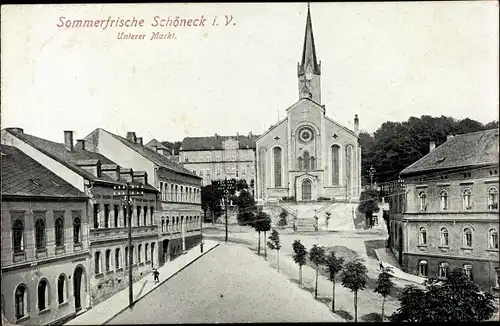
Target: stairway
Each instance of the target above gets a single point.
(304, 225)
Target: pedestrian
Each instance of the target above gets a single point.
(156, 275)
(381, 266)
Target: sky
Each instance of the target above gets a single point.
(383, 61)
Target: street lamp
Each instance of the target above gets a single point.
(125, 193)
(372, 172)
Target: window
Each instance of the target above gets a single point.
(40, 234)
(306, 161)
(493, 239)
(21, 301)
(125, 217)
(277, 166)
(108, 260)
(117, 258)
(146, 252)
(116, 210)
(162, 225)
(422, 239)
(468, 271)
(243, 172)
(145, 215)
(422, 268)
(152, 214)
(444, 200)
(208, 173)
(43, 295)
(443, 270)
(139, 259)
(467, 237)
(466, 195)
(201, 173)
(218, 172)
(132, 254)
(423, 201)
(18, 235)
(126, 256)
(96, 216)
(106, 215)
(492, 198)
(59, 232)
(97, 262)
(138, 215)
(61, 289)
(207, 158)
(313, 163)
(444, 237)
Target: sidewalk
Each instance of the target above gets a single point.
(389, 260)
(108, 309)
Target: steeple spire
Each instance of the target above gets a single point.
(309, 50)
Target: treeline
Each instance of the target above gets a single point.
(175, 145)
(396, 145)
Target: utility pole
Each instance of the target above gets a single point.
(225, 202)
(372, 173)
(227, 186)
(125, 193)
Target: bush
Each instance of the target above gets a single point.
(324, 199)
(372, 318)
(292, 198)
(344, 314)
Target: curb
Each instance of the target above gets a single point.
(145, 294)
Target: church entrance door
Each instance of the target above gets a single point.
(306, 190)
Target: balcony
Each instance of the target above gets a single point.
(106, 234)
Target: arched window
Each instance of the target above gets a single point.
(492, 198)
(97, 262)
(40, 234)
(59, 232)
(422, 268)
(146, 247)
(162, 225)
(466, 198)
(176, 193)
(177, 223)
(443, 270)
(422, 239)
(21, 301)
(493, 239)
(77, 226)
(313, 163)
(307, 160)
(423, 201)
(301, 163)
(108, 260)
(335, 165)
(167, 227)
(349, 156)
(444, 237)
(126, 256)
(117, 258)
(467, 237)
(277, 166)
(182, 194)
(145, 215)
(43, 295)
(18, 235)
(139, 258)
(444, 200)
(61, 289)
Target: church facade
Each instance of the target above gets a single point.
(307, 155)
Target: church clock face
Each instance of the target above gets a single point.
(306, 135)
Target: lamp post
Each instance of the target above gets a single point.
(124, 191)
(372, 172)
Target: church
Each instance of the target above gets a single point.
(307, 155)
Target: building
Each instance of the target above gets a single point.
(307, 155)
(157, 146)
(97, 176)
(179, 202)
(444, 211)
(45, 255)
(220, 157)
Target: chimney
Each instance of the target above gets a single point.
(250, 135)
(127, 174)
(449, 137)
(216, 136)
(432, 146)
(68, 139)
(80, 144)
(139, 140)
(111, 170)
(131, 136)
(356, 124)
(140, 177)
(15, 129)
(237, 135)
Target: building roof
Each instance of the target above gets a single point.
(477, 148)
(154, 157)
(154, 142)
(70, 159)
(215, 142)
(23, 176)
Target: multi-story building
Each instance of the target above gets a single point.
(220, 157)
(45, 255)
(444, 210)
(179, 202)
(97, 176)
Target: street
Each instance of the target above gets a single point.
(228, 285)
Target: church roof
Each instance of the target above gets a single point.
(477, 148)
(215, 142)
(309, 49)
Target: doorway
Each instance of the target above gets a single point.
(306, 190)
(77, 287)
(166, 254)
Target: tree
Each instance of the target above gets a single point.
(246, 207)
(384, 285)
(317, 257)
(354, 276)
(455, 299)
(174, 146)
(266, 226)
(275, 244)
(368, 204)
(328, 215)
(259, 226)
(211, 197)
(299, 257)
(282, 221)
(241, 184)
(334, 266)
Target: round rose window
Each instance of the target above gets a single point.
(306, 135)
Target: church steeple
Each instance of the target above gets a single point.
(309, 70)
